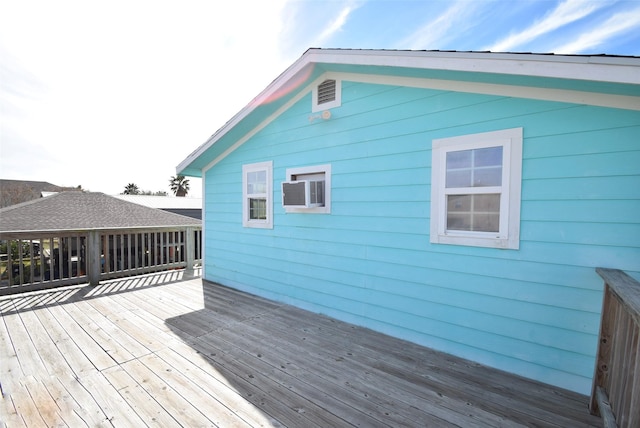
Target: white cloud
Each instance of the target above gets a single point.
(435, 33)
(602, 34)
(127, 89)
(335, 25)
(566, 13)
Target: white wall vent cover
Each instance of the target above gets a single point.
(327, 91)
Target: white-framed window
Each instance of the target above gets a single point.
(319, 177)
(326, 95)
(476, 188)
(257, 191)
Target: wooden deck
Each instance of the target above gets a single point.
(160, 350)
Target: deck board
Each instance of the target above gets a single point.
(157, 351)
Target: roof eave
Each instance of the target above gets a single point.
(603, 68)
(292, 76)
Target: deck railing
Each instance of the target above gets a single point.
(616, 382)
(38, 260)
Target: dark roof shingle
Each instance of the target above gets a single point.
(85, 210)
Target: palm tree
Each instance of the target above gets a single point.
(131, 189)
(179, 185)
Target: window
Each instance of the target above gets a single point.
(326, 95)
(257, 207)
(475, 189)
(318, 186)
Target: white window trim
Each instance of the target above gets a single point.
(508, 236)
(316, 169)
(315, 107)
(246, 221)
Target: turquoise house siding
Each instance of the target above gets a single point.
(533, 311)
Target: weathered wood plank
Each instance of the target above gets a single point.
(302, 356)
(165, 394)
(626, 289)
(279, 401)
(10, 416)
(117, 410)
(71, 355)
(203, 355)
(58, 368)
(216, 413)
(26, 408)
(634, 417)
(47, 406)
(369, 379)
(162, 310)
(10, 370)
(352, 392)
(608, 419)
(61, 363)
(214, 386)
(43, 330)
(104, 333)
(126, 321)
(143, 404)
(603, 354)
(27, 354)
(436, 374)
(75, 402)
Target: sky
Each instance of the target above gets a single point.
(101, 94)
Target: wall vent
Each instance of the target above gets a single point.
(327, 91)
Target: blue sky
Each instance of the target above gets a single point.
(105, 93)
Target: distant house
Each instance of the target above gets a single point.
(17, 191)
(190, 207)
(131, 238)
(459, 200)
(70, 211)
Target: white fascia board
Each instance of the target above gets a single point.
(292, 76)
(258, 128)
(595, 68)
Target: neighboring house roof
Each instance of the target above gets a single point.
(85, 210)
(163, 202)
(190, 207)
(603, 80)
(17, 191)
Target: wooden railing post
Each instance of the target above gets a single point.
(94, 266)
(616, 382)
(190, 246)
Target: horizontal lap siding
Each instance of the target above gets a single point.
(534, 311)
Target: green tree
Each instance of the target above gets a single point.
(179, 185)
(131, 189)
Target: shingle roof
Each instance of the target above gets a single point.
(85, 210)
(17, 191)
(163, 202)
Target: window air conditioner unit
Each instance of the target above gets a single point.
(303, 194)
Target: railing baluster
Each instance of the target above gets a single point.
(121, 258)
(32, 268)
(157, 249)
(163, 248)
(9, 263)
(46, 260)
(60, 258)
(129, 251)
(51, 261)
(137, 250)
